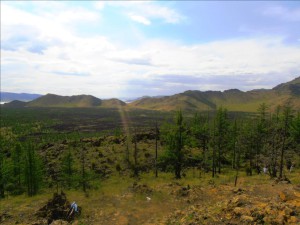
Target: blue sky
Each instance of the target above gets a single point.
(131, 49)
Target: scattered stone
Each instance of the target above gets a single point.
(293, 220)
(238, 211)
(56, 209)
(59, 222)
(247, 219)
(283, 180)
(40, 222)
(4, 216)
(141, 188)
(238, 191)
(183, 192)
(238, 201)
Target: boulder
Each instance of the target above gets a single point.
(238, 211)
(56, 209)
(141, 188)
(59, 222)
(286, 196)
(247, 219)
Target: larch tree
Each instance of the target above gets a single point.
(285, 128)
(32, 170)
(221, 135)
(173, 135)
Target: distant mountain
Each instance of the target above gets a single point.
(129, 100)
(233, 99)
(15, 104)
(112, 103)
(52, 100)
(25, 97)
(292, 87)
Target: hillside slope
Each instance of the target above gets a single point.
(233, 99)
(15, 104)
(83, 101)
(112, 103)
(51, 100)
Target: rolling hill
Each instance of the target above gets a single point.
(233, 99)
(52, 100)
(15, 104)
(112, 103)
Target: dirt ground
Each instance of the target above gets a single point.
(255, 201)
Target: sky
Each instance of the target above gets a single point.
(128, 49)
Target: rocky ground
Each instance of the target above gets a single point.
(265, 204)
(272, 202)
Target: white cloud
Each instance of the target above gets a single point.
(99, 5)
(139, 19)
(74, 15)
(155, 11)
(145, 11)
(76, 64)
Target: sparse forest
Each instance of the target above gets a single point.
(83, 150)
(150, 112)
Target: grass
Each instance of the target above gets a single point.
(115, 199)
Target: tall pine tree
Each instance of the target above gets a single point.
(32, 170)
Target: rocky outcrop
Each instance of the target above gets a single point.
(243, 208)
(55, 211)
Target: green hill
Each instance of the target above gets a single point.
(233, 99)
(83, 101)
(292, 87)
(113, 103)
(51, 100)
(15, 104)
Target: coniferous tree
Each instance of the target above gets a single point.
(156, 148)
(135, 156)
(295, 134)
(7, 138)
(213, 146)
(273, 143)
(260, 133)
(233, 144)
(249, 143)
(127, 154)
(67, 169)
(221, 132)
(17, 161)
(200, 132)
(174, 138)
(2, 174)
(32, 170)
(237, 157)
(295, 129)
(83, 174)
(286, 121)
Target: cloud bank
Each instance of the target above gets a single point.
(49, 52)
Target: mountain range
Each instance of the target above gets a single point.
(25, 97)
(233, 100)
